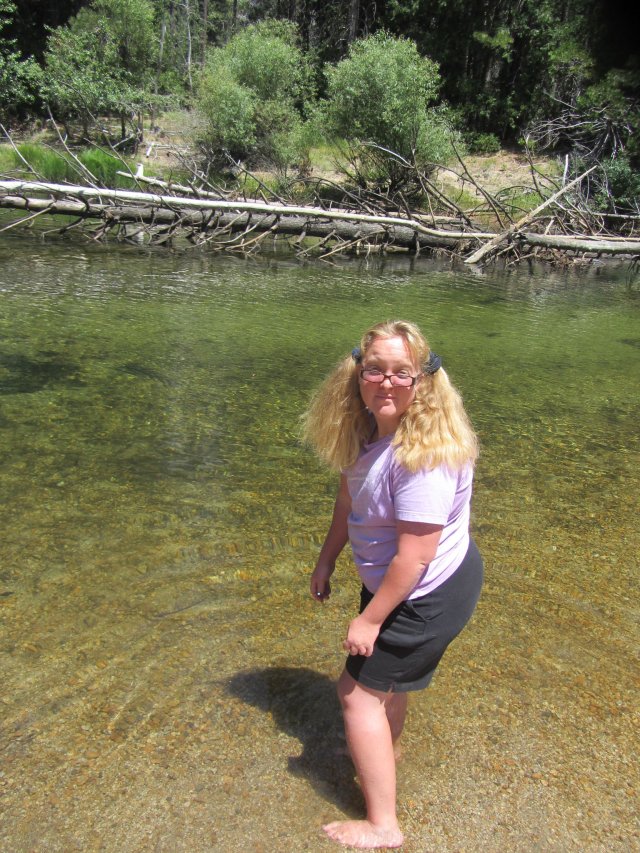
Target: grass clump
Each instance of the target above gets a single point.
(59, 167)
(49, 164)
(102, 165)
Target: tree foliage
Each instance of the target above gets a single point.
(378, 100)
(131, 26)
(252, 96)
(82, 76)
(100, 63)
(504, 66)
(503, 63)
(19, 77)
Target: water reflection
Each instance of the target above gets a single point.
(166, 684)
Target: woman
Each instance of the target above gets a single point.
(390, 421)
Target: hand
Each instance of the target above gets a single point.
(361, 637)
(320, 588)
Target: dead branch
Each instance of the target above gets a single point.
(24, 220)
(495, 206)
(28, 165)
(490, 247)
(82, 170)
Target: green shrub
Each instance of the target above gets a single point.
(251, 98)
(379, 98)
(483, 143)
(437, 137)
(621, 192)
(380, 92)
(228, 114)
(266, 59)
(280, 134)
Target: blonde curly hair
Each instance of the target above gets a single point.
(435, 429)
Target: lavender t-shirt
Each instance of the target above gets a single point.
(384, 492)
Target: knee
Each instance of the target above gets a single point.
(358, 701)
(348, 692)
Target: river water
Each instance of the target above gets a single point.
(167, 685)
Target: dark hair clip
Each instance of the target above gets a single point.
(356, 354)
(433, 365)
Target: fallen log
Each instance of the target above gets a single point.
(596, 245)
(204, 215)
(171, 201)
(223, 223)
(201, 223)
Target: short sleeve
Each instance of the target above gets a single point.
(426, 496)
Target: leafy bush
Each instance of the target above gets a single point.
(380, 92)
(378, 99)
(483, 143)
(252, 95)
(228, 113)
(280, 134)
(266, 59)
(19, 78)
(621, 192)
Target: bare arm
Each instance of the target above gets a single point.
(335, 540)
(417, 545)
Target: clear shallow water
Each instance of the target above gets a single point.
(166, 683)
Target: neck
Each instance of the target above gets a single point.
(384, 429)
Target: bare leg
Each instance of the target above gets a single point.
(370, 741)
(396, 707)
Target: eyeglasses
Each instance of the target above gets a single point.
(372, 374)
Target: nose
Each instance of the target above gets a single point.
(386, 378)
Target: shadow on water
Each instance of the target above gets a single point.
(23, 375)
(304, 705)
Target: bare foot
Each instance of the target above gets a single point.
(363, 834)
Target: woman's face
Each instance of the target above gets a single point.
(387, 402)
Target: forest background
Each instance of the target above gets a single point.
(264, 82)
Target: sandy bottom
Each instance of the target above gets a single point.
(205, 727)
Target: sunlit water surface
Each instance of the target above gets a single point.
(166, 682)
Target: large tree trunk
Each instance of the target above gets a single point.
(187, 9)
(235, 224)
(354, 18)
(130, 206)
(205, 30)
